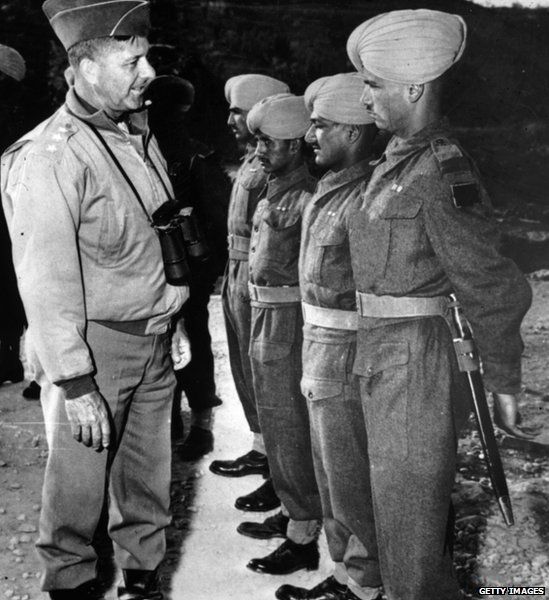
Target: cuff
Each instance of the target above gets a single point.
(78, 386)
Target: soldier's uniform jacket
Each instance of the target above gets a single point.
(425, 230)
(325, 273)
(248, 184)
(83, 247)
(276, 235)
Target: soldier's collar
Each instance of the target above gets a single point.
(333, 180)
(278, 185)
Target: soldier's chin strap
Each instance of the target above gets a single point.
(469, 363)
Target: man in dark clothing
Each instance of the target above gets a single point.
(199, 183)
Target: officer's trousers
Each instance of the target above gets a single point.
(275, 351)
(135, 377)
(340, 452)
(414, 404)
(237, 313)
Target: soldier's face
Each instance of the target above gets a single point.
(121, 75)
(274, 155)
(386, 102)
(237, 124)
(329, 141)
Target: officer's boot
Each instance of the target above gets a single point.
(140, 585)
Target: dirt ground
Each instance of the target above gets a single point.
(205, 558)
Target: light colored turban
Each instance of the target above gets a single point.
(12, 63)
(337, 98)
(243, 91)
(408, 46)
(283, 117)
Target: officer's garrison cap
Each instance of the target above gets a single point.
(79, 20)
(12, 63)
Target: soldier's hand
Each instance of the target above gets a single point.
(89, 420)
(507, 417)
(181, 346)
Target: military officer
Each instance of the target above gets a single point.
(424, 230)
(341, 135)
(242, 92)
(79, 191)
(279, 124)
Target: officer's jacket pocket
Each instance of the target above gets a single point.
(281, 219)
(112, 233)
(386, 355)
(332, 260)
(328, 234)
(320, 389)
(266, 352)
(332, 362)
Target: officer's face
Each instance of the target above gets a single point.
(275, 156)
(329, 141)
(121, 75)
(237, 124)
(386, 102)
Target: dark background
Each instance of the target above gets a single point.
(497, 96)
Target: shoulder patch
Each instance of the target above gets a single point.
(456, 171)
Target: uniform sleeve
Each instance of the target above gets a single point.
(494, 294)
(43, 198)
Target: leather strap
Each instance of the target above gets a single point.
(329, 317)
(389, 307)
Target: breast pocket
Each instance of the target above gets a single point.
(283, 232)
(383, 373)
(332, 262)
(112, 234)
(406, 238)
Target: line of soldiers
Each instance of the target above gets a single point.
(335, 301)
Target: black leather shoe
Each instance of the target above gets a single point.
(90, 590)
(329, 589)
(287, 558)
(139, 585)
(272, 527)
(252, 463)
(260, 500)
(32, 391)
(198, 443)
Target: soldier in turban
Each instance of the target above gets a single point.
(79, 193)
(242, 92)
(341, 135)
(279, 124)
(424, 230)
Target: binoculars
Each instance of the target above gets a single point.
(181, 241)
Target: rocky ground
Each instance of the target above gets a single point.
(205, 558)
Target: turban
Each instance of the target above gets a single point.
(79, 20)
(337, 98)
(243, 91)
(408, 46)
(12, 63)
(283, 117)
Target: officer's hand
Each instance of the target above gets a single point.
(89, 420)
(181, 347)
(507, 417)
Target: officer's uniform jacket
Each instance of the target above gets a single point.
(83, 247)
(425, 229)
(248, 184)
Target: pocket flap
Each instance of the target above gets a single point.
(402, 206)
(278, 219)
(319, 389)
(269, 351)
(372, 360)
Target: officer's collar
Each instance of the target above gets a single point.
(278, 185)
(136, 121)
(333, 180)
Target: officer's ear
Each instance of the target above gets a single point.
(295, 145)
(415, 91)
(89, 69)
(353, 133)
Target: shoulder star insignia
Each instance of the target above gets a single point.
(51, 148)
(56, 137)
